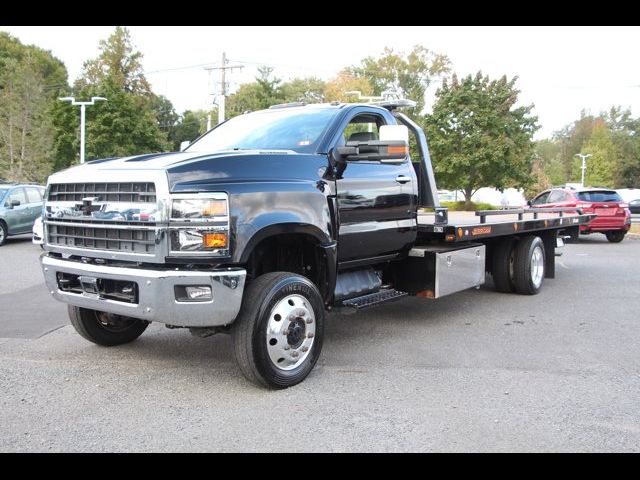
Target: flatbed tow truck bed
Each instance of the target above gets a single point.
(471, 226)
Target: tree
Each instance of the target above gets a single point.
(118, 62)
(264, 92)
(191, 125)
(407, 76)
(308, 90)
(25, 129)
(128, 122)
(478, 137)
(604, 155)
(336, 89)
(30, 81)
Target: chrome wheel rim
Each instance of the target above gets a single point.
(537, 266)
(290, 332)
(1, 234)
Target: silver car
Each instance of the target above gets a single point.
(20, 205)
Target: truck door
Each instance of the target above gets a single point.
(376, 201)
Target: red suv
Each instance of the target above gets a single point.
(613, 215)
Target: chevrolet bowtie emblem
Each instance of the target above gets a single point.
(87, 206)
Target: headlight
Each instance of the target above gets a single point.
(198, 208)
(199, 225)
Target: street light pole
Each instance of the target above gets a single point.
(584, 164)
(83, 106)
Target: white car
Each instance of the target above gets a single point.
(38, 232)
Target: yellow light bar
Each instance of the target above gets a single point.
(214, 240)
(214, 207)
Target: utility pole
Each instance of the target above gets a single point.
(223, 83)
(83, 106)
(584, 164)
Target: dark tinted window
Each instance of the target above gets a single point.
(600, 196)
(541, 199)
(33, 195)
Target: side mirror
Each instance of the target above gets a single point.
(184, 145)
(15, 203)
(530, 203)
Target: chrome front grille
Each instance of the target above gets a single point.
(124, 218)
(128, 238)
(131, 192)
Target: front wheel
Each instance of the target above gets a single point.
(615, 236)
(105, 329)
(278, 334)
(3, 233)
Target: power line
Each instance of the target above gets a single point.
(223, 86)
(186, 67)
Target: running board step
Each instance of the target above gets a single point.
(374, 299)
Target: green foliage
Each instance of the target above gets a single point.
(604, 154)
(30, 81)
(408, 76)
(118, 62)
(336, 88)
(478, 137)
(191, 126)
(128, 123)
(614, 136)
(468, 207)
(308, 90)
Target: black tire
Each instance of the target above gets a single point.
(616, 236)
(523, 265)
(502, 265)
(90, 324)
(4, 232)
(249, 331)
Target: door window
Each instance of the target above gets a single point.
(363, 128)
(556, 196)
(33, 195)
(541, 199)
(16, 194)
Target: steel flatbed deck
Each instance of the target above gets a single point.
(469, 226)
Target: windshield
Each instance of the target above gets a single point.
(600, 196)
(2, 192)
(298, 129)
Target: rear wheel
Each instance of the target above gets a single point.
(278, 334)
(105, 329)
(529, 265)
(615, 236)
(3, 233)
(502, 265)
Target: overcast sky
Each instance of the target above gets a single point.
(561, 70)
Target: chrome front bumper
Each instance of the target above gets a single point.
(156, 300)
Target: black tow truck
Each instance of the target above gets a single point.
(268, 221)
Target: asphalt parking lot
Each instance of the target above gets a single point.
(476, 371)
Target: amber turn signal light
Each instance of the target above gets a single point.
(214, 240)
(398, 150)
(214, 207)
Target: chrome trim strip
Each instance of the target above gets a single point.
(103, 225)
(363, 227)
(156, 293)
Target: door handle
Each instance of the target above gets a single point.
(403, 179)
